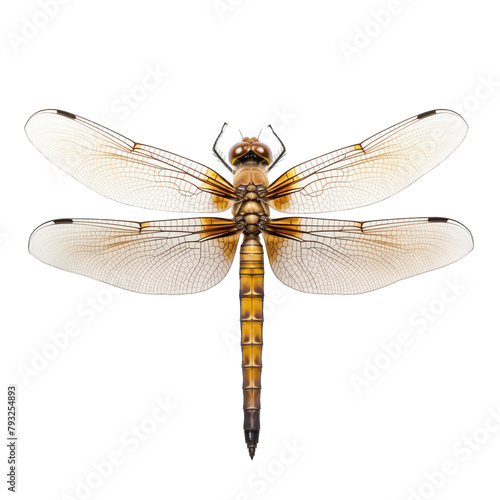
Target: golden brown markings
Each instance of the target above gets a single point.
(211, 226)
(286, 227)
(277, 233)
(281, 203)
(220, 188)
(251, 302)
(214, 175)
(289, 174)
(281, 190)
(283, 184)
(220, 184)
(287, 221)
(284, 181)
(273, 246)
(228, 246)
(114, 244)
(216, 230)
(220, 202)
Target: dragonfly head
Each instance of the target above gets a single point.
(250, 149)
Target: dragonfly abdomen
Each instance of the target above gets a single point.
(251, 302)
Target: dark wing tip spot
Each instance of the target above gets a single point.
(66, 114)
(426, 114)
(63, 221)
(438, 219)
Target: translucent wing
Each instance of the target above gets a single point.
(372, 170)
(346, 257)
(160, 257)
(124, 170)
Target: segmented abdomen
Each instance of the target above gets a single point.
(251, 302)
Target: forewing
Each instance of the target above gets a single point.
(372, 170)
(124, 170)
(160, 257)
(347, 257)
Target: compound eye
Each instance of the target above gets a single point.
(262, 150)
(238, 150)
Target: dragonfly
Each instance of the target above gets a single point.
(190, 255)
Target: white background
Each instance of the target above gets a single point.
(250, 63)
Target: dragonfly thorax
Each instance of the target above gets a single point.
(252, 222)
(250, 173)
(252, 212)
